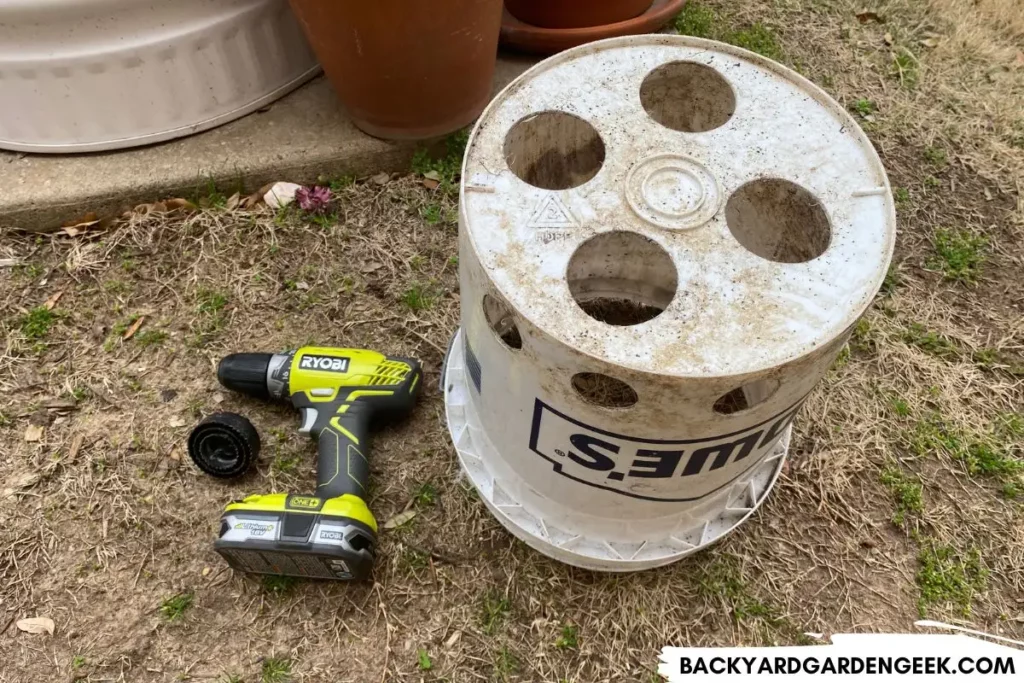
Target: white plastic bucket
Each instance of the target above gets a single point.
(90, 75)
(664, 243)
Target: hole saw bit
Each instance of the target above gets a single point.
(342, 395)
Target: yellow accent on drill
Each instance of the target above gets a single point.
(347, 505)
(336, 423)
(415, 381)
(366, 392)
(343, 409)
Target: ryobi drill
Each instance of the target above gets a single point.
(342, 394)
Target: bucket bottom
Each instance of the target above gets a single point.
(477, 453)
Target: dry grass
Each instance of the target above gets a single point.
(108, 528)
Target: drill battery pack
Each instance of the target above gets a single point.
(302, 536)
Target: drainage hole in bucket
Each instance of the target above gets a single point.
(499, 317)
(745, 397)
(688, 97)
(553, 150)
(622, 278)
(602, 390)
(779, 221)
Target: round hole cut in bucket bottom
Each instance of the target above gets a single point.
(570, 537)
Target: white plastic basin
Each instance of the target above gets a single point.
(90, 75)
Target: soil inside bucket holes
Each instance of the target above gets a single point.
(619, 312)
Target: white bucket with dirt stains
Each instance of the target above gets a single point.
(664, 243)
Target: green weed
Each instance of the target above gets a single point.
(933, 436)
(494, 608)
(423, 660)
(892, 280)
(906, 494)
(447, 168)
(425, 495)
(36, 323)
(935, 155)
(276, 670)
(148, 338)
(930, 342)
(901, 195)
(279, 586)
(757, 38)
(173, 608)
(861, 339)
(210, 301)
(431, 213)
(78, 661)
(960, 254)
(568, 639)
(341, 182)
(1011, 490)
(987, 458)
(506, 664)
(414, 559)
(418, 297)
(905, 68)
(899, 405)
(697, 20)
(864, 107)
(946, 579)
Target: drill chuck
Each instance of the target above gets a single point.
(246, 373)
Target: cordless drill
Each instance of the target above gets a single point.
(342, 394)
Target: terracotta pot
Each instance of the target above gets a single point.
(406, 69)
(575, 13)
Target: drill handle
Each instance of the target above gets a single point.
(343, 454)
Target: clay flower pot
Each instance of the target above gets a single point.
(406, 69)
(575, 13)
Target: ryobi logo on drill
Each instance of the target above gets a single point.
(324, 363)
(651, 469)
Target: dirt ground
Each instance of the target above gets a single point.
(902, 497)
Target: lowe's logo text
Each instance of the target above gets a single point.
(651, 469)
(324, 363)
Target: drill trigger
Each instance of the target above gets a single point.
(309, 416)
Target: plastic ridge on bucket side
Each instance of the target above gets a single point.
(664, 243)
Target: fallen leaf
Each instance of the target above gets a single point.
(370, 266)
(865, 17)
(233, 201)
(61, 404)
(304, 286)
(281, 195)
(431, 184)
(988, 194)
(432, 175)
(929, 42)
(22, 481)
(76, 445)
(381, 178)
(400, 519)
(37, 625)
(177, 421)
(454, 638)
(130, 332)
(52, 301)
(206, 571)
(887, 38)
(179, 204)
(77, 226)
(218, 398)
(33, 433)
(168, 395)
(175, 455)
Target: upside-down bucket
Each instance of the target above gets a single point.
(664, 243)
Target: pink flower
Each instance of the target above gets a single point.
(313, 199)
